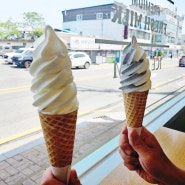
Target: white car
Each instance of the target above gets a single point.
(80, 59)
(8, 56)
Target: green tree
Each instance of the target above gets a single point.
(34, 23)
(9, 30)
(33, 20)
(38, 32)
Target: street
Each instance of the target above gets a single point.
(98, 94)
(23, 156)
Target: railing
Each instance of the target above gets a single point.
(95, 167)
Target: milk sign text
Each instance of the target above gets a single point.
(130, 18)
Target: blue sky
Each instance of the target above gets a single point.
(51, 9)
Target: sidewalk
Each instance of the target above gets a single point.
(165, 63)
(26, 167)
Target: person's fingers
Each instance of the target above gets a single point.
(74, 180)
(124, 143)
(148, 138)
(124, 130)
(130, 159)
(127, 149)
(48, 173)
(132, 167)
(137, 143)
(123, 139)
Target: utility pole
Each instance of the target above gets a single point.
(171, 1)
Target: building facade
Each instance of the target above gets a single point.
(117, 21)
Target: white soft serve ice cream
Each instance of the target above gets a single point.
(55, 91)
(135, 72)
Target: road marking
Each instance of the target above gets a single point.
(14, 89)
(21, 88)
(16, 136)
(168, 81)
(36, 129)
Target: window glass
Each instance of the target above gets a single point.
(19, 51)
(28, 52)
(99, 16)
(6, 47)
(78, 55)
(79, 17)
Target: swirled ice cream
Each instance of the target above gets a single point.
(135, 72)
(55, 91)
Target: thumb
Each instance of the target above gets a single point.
(137, 143)
(74, 180)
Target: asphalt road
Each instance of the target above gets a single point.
(98, 94)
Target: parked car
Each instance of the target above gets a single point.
(182, 61)
(24, 59)
(8, 56)
(1, 51)
(80, 59)
(5, 49)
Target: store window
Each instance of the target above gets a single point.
(159, 38)
(79, 17)
(99, 16)
(132, 32)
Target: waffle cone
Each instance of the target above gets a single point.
(59, 134)
(135, 104)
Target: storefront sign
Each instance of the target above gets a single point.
(130, 18)
(83, 43)
(148, 6)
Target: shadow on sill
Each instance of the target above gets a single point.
(178, 121)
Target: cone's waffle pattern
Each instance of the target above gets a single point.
(59, 134)
(135, 107)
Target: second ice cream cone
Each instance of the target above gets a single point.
(135, 104)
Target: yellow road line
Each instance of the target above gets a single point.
(8, 139)
(14, 89)
(21, 88)
(36, 129)
(168, 81)
(27, 132)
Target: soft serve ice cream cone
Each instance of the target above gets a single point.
(55, 97)
(135, 83)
